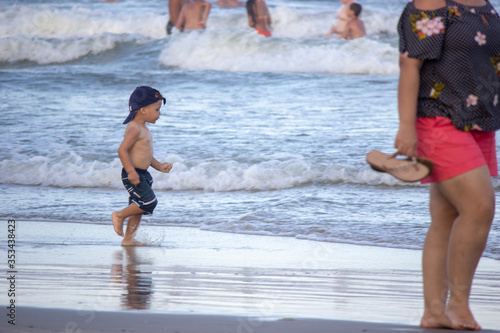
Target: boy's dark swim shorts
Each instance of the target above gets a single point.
(141, 194)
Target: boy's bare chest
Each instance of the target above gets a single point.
(145, 141)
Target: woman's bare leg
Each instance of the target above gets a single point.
(473, 197)
(434, 259)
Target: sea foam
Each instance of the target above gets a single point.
(247, 51)
(47, 35)
(268, 173)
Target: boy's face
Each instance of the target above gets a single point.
(152, 112)
(351, 14)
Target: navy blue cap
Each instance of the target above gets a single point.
(141, 97)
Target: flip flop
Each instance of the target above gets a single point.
(411, 169)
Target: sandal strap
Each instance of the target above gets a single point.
(413, 162)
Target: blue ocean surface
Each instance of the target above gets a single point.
(268, 136)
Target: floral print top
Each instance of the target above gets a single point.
(460, 76)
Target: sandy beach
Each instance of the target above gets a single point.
(270, 220)
(44, 320)
(74, 276)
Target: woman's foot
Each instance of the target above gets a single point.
(435, 321)
(461, 318)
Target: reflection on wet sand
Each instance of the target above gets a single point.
(128, 269)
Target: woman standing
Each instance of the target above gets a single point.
(448, 98)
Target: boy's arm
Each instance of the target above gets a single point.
(409, 82)
(180, 20)
(250, 21)
(333, 30)
(208, 5)
(269, 20)
(129, 139)
(348, 30)
(163, 167)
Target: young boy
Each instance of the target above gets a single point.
(342, 18)
(136, 155)
(355, 28)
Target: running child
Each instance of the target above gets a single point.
(136, 155)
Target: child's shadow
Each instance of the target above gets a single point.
(126, 269)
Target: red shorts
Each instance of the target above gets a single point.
(454, 152)
(266, 33)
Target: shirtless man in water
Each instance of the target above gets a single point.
(355, 28)
(342, 18)
(229, 3)
(193, 15)
(259, 17)
(174, 8)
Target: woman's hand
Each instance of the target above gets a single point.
(406, 141)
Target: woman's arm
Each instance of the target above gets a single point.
(409, 83)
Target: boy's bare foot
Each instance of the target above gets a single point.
(437, 321)
(116, 273)
(117, 223)
(132, 242)
(462, 319)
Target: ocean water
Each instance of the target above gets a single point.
(268, 136)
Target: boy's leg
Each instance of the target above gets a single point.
(132, 225)
(119, 217)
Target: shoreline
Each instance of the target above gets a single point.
(186, 272)
(62, 320)
(251, 234)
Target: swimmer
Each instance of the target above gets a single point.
(193, 15)
(355, 28)
(174, 9)
(342, 18)
(259, 17)
(229, 3)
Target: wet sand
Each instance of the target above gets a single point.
(190, 280)
(57, 320)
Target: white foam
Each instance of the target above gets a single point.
(298, 45)
(299, 24)
(48, 51)
(305, 23)
(271, 173)
(45, 35)
(50, 22)
(243, 50)
(68, 171)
